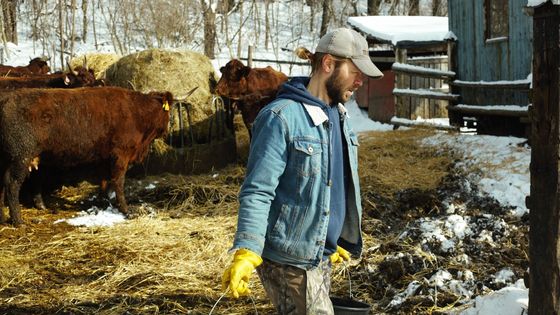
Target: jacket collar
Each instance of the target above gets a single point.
(318, 115)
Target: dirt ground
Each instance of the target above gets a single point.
(169, 258)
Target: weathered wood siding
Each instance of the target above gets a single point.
(479, 60)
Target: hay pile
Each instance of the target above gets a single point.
(178, 72)
(98, 62)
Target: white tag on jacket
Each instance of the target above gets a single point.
(316, 113)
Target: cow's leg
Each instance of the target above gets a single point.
(2, 216)
(117, 178)
(36, 180)
(104, 173)
(3, 167)
(13, 178)
(104, 186)
(2, 190)
(248, 124)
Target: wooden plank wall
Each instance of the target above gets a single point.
(479, 60)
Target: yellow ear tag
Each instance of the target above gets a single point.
(166, 106)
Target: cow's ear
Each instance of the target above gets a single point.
(245, 71)
(66, 80)
(168, 97)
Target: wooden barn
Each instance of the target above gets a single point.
(492, 62)
(411, 51)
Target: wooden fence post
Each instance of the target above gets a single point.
(544, 243)
(250, 56)
(402, 103)
(454, 118)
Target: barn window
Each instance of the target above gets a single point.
(497, 19)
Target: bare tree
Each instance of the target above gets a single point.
(256, 16)
(72, 26)
(439, 7)
(93, 24)
(354, 4)
(326, 18)
(9, 19)
(239, 33)
(414, 7)
(209, 28)
(266, 23)
(312, 4)
(110, 15)
(394, 7)
(61, 29)
(84, 19)
(373, 7)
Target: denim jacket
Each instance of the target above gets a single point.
(284, 200)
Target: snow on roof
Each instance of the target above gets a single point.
(536, 3)
(395, 29)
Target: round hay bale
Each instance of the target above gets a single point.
(98, 62)
(179, 72)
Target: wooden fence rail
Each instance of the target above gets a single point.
(421, 86)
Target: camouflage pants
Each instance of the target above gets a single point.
(297, 291)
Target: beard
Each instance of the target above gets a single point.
(335, 89)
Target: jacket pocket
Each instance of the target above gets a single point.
(353, 145)
(307, 157)
(288, 232)
(354, 140)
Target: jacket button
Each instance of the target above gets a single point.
(310, 149)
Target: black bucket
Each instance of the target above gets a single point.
(346, 306)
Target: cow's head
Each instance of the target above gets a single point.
(165, 98)
(231, 84)
(39, 65)
(80, 76)
(165, 101)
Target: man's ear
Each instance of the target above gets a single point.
(328, 63)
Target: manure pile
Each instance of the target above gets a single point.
(170, 260)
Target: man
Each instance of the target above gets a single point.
(300, 202)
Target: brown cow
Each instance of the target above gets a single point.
(35, 66)
(75, 78)
(107, 126)
(251, 88)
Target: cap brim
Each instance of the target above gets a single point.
(367, 67)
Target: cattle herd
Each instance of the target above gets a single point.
(68, 119)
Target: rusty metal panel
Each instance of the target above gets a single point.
(381, 100)
(361, 95)
(377, 97)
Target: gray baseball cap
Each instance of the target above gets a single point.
(347, 43)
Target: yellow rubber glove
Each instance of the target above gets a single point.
(237, 275)
(340, 255)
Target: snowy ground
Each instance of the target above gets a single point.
(503, 164)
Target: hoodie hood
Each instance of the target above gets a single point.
(296, 89)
